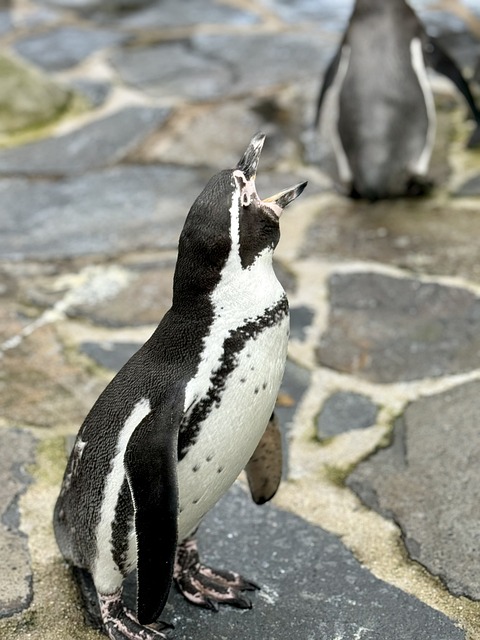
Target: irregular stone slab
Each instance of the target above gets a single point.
(98, 144)
(111, 355)
(300, 319)
(16, 576)
(28, 98)
(212, 66)
(5, 22)
(183, 72)
(53, 390)
(386, 329)
(296, 381)
(470, 187)
(95, 92)
(65, 47)
(113, 210)
(86, 7)
(265, 60)
(171, 13)
(145, 300)
(345, 411)
(311, 585)
(428, 481)
(332, 16)
(414, 235)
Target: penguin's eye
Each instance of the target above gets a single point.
(245, 199)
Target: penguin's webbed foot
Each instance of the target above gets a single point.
(207, 587)
(120, 623)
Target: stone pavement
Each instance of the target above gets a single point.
(374, 534)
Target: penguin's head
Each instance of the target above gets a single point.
(230, 222)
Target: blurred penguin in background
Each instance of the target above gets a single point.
(384, 127)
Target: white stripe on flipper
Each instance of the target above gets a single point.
(420, 166)
(106, 573)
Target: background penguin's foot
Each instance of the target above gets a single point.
(120, 623)
(419, 186)
(208, 587)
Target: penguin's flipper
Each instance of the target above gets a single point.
(264, 469)
(151, 466)
(440, 61)
(328, 80)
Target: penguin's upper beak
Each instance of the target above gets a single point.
(250, 159)
(249, 164)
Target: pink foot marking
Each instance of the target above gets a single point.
(205, 586)
(121, 623)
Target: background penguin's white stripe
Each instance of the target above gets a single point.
(344, 170)
(420, 166)
(106, 573)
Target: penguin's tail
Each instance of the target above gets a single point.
(474, 140)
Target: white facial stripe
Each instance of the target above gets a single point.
(241, 295)
(235, 215)
(420, 166)
(344, 170)
(106, 573)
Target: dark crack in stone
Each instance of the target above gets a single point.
(17, 450)
(428, 481)
(345, 411)
(387, 329)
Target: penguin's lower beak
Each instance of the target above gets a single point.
(286, 196)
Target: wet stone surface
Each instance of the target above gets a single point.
(428, 482)
(420, 236)
(387, 329)
(258, 541)
(15, 593)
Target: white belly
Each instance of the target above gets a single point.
(232, 430)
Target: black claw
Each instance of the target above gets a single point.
(211, 605)
(248, 585)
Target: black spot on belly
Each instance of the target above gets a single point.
(256, 390)
(220, 469)
(264, 386)
(209, 458)
(232, 346)
(195, 468)
(195, 501)
(243, 379)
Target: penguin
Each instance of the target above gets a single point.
(192, 408)
(383, 102)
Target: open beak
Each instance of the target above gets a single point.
(249, 164)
